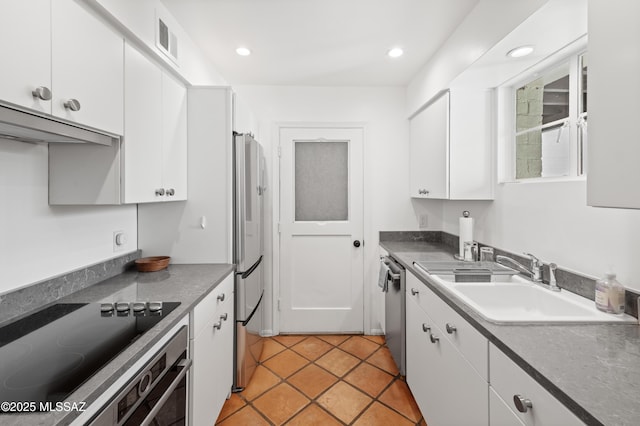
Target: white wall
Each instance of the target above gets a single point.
(386, 151)
(488, 23)
(38, 241)
(552, 221)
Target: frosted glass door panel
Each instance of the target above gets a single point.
(321, 181)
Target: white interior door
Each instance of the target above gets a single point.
(321, 228)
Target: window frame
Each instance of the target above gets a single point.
(506, 115)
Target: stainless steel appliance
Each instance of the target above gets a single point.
(47, 355)
(248, 187)
(157, 395)
(395, 309)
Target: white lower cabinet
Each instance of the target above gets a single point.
(510, 382)
(499, 412)
(446, 387)
(211, 347)
(458, 378)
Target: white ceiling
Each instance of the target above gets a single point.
(319, 42)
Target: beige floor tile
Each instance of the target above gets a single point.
(399, 397)
(285, 363)
(368, 379)
(312, 348)
(382, 359)
(337, 362)
(312, 380)
(231, 405)
(379, 415)
(261, 381)
(281, 403)
(344, 401)
(314, 416)
(245, 417)
(271, 347)
(359, 346)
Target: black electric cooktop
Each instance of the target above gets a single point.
(45, 356)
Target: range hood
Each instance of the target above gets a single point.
(16, 124)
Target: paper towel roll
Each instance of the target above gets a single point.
(466, 232)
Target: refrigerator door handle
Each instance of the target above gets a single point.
(245, 274)
(246, 321)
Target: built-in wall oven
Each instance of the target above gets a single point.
(394, 309)
(157, 395)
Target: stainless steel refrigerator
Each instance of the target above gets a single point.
(248, 185)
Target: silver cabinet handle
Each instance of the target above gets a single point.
(72, 104)
(450, 328)
(160, 191)
(423, 192)
(224, 316)
(434, 338)
(521, 403)
(221, 297)
(42, 92)
(171, 192)
(217, 325)
(426, 327)
(414, 292)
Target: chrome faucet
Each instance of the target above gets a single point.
(535, 271)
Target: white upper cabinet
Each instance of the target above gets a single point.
(174, 138)
(25, 33)
(155, 138)
(142, 142)
(614, 65)
(451, 155)
(86, 70)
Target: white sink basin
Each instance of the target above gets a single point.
(517, 299)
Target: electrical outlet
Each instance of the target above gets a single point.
(423, 221)
(119, 240)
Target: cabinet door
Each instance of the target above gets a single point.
(613, 172)
(25, 31)
(440, 377)
(500, 413)
(430, 150)
(87, 65)
(174, 134)
(509, 380)
(212, 354)
(142, 142)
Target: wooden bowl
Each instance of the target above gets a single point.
(152, 264)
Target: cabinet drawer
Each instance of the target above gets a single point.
(220, 299)
(500, 414)
(462, 335)
(509, 380)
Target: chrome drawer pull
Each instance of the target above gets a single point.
(426, 327)
(522, 404)
(414, 292)
(450, 328)
(434, 338)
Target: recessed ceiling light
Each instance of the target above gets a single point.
(520, 51)
(396, 52)
(243, 51)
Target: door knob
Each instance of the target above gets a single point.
(356, 243)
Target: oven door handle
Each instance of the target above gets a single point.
(186, 364)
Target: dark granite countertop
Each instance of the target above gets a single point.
(187, 284)
(594, 370)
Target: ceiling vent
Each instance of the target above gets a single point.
(167, 41)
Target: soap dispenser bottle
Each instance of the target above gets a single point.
(610, 294)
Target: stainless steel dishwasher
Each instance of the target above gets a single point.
(394, 312)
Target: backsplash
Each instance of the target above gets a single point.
(26, 299)
(568, 280)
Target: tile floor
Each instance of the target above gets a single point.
(324, 380)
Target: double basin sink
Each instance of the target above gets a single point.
(500, 295)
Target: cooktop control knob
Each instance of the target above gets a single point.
(122, 306)
(139, 306)
(106, 307)
(155, 306)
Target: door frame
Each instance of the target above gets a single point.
(366, 219)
